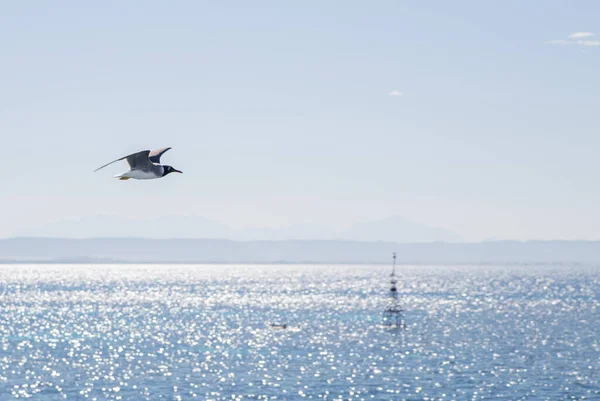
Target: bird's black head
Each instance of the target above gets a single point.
(169, 169)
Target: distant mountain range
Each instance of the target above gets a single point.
(135, 250)
(392, 229)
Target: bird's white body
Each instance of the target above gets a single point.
(140, 174)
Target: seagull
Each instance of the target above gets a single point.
(144, 165)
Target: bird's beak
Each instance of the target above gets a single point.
(177, 171)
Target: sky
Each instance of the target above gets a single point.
(475, 117)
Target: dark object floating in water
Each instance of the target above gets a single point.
(393, 316)
(276, 326)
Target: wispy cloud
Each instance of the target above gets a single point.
(578, 35)
(395, 93)
(576, 38)
(589, 42)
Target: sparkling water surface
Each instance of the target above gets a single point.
(179, 332)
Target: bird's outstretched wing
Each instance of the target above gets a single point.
(156, 154)
(137, 160)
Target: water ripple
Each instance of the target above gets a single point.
(203, 332)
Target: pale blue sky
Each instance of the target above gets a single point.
(281, 113)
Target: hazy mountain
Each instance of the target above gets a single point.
(204, 251)
(118, 227)
(395, 229)
(398, 229)
(293, 232)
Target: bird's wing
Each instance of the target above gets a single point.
(156, 154)
(137, 160)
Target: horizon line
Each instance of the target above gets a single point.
(291, 240)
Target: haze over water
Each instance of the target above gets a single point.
(179, 332)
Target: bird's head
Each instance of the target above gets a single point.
(169, 170)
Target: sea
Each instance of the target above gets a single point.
(298, 332)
